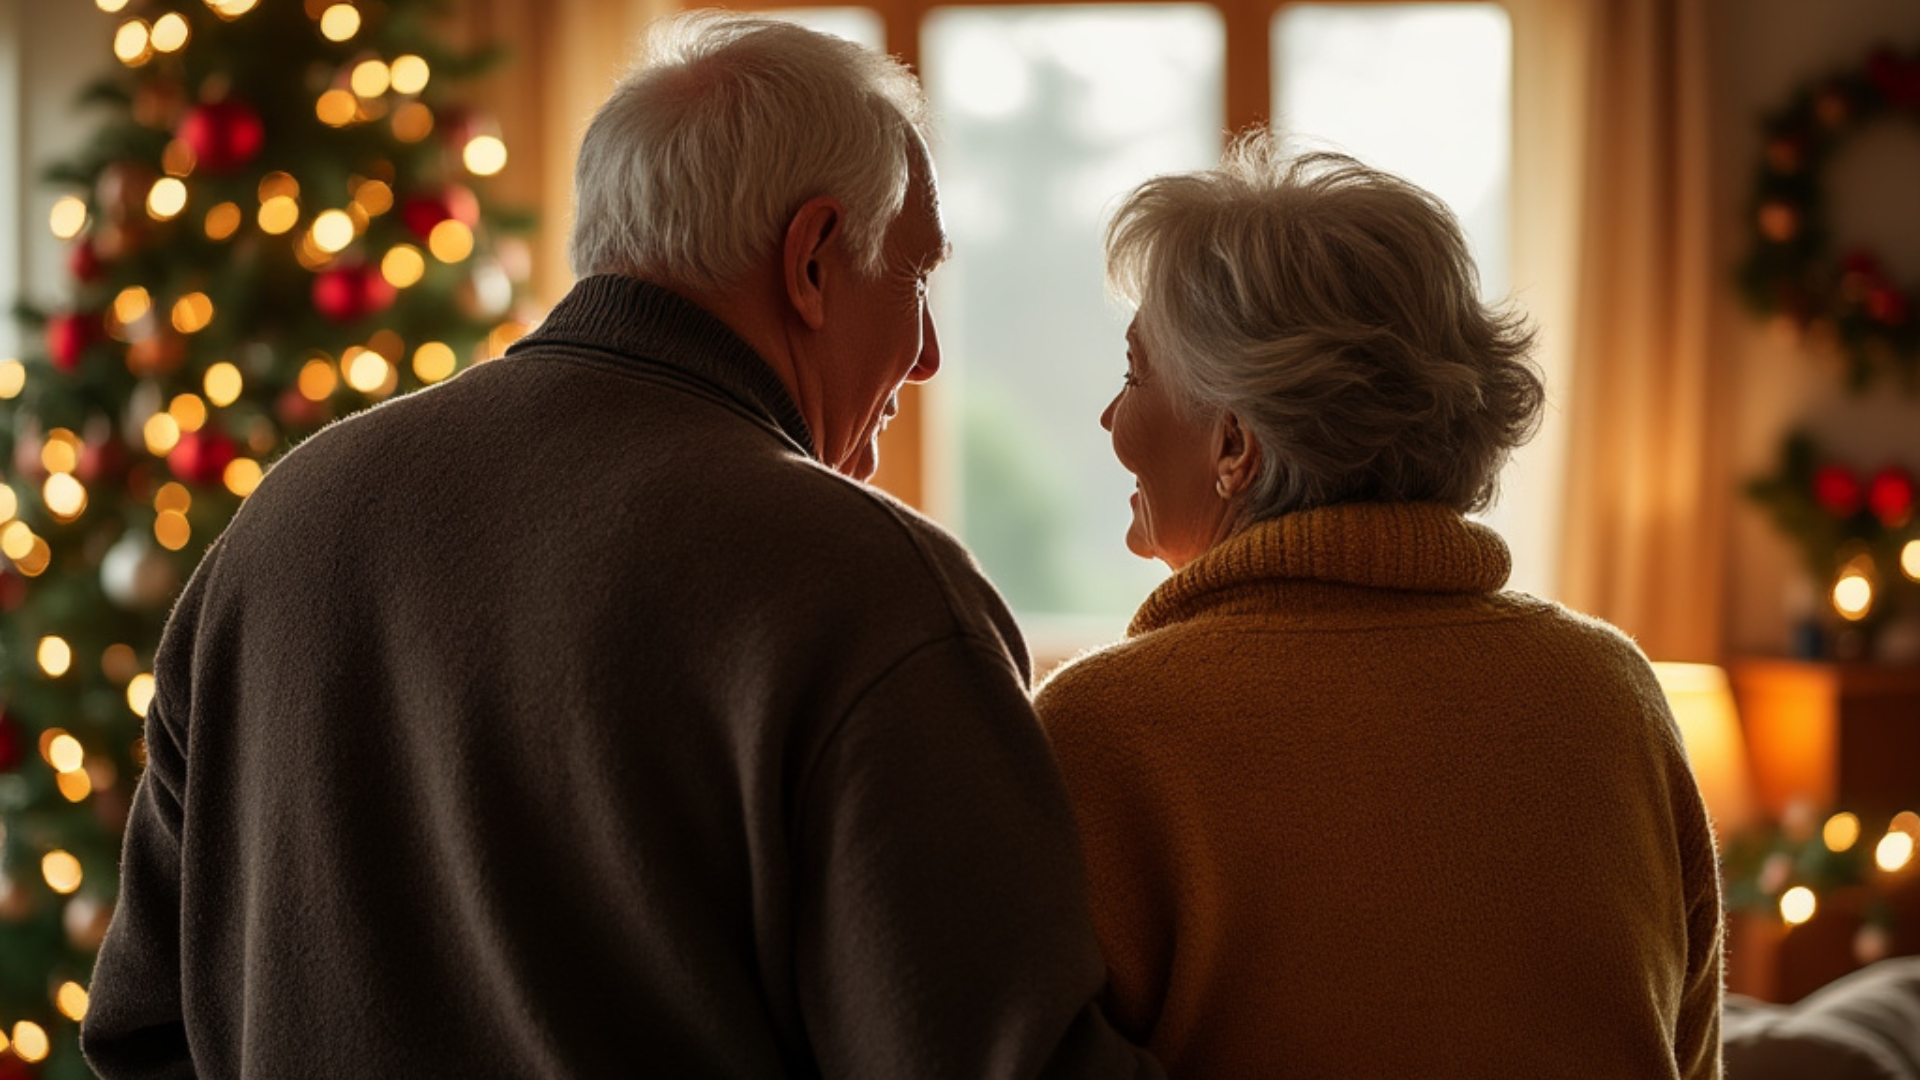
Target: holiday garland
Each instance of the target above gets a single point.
(1792, 270)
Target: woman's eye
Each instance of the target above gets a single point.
(1127, 379)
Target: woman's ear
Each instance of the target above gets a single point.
(1236, 457)
(803, 258)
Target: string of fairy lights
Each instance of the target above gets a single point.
(329, 233)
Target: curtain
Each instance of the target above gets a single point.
(1647, 488)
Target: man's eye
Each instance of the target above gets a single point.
(1127, 378)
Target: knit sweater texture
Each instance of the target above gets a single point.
(569, 719)
(1351, 811)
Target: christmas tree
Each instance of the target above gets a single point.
(276, 223)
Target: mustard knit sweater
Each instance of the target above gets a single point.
(1350, 811)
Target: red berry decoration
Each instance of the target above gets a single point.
(68, 338)
(1837, 490)
(351, 292)
(201, 457)
(1890, 496)
(223, 135)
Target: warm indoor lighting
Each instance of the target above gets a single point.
(373, 197)
(242, 476)
(132, 43)
(1853, 596)
(485, 155)
(409, 74)
(56, 656)
(63, 875)
(61, 452)
(65, 753)
(1909, 559)
(1797, 905)
(1702, 704)
(223, 221)
(177, 159)
(189, 411)
(162, 434)
(337, 108)
(317, 380)
(74, 786)
(278, 185)
(170, 33)
(140, 694)
(13, 379)
(30, 1039)
(68, 217)
(1841, 832)
(39, 556)
(370, 78)
(132, 305)
(65, 497)
(192, 313)
(434, 361)
(223, 384)
(367, 371)
(173, 495)
(403, 267)
(232, 9)
(111, 7)
(16, 540)
(172, 530)
(450, 241)
(166, 199)
(1894, 851)
(412, 122)
(278, 215)
(332, 231)
(340, 22)
(71, 1000)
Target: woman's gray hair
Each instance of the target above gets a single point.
(1335, 311)
(692, 169)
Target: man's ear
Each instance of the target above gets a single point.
(814, 227)
(1236, 456)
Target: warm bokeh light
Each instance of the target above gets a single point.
(410, 74)
(35, 562)
(132, 305)
(9, 504)
(13, 379)
(16, 539)
(310, 255)
(30, 1039)
(56, 656)
(192, 313)
(332, 231)
(317, 380)
(337, 108)
(111, 7)
(162, 434)
(172, 530)
(74, 786)
(66, 498)
(434, 361)
(1841, 832)
(68, 217)
(140, 694)
(370, 78)
(1894, 851)
(1909, 555)
(166, 199)
(223, 221)
(485, 155)
(119, 662)
(132, 43)
(173, 495)
(232, 9)
(170, 33)
(278, 185)
(450, 241)
(278, 215)
(71, 1000)
(1798, 904)
(65, 753)
(404, 266)
(373, 197)
(63, 875)
(189, 411)
(503, 336)
(223, 384)
(61, 452)
(340, 22)
(242, 476)
(367, 371)
(412, 122)
(178, 159)
(1906, 821)
(1853, 597)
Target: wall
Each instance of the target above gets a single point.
(1763, 50)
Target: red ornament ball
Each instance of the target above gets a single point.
(1890, 496)
(1837, 490)
(85, 263)
(422, 212)
(68, 338)
(201, 457)
(1887, 306)
(223, 135)
(351, 292)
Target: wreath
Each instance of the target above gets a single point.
(1792, 271)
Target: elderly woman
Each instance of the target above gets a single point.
(1348, 808)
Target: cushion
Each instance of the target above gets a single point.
(1865, 1026)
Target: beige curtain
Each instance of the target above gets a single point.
(1647, 484)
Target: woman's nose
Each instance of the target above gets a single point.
(1106, 415)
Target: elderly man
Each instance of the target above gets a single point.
(579, 717)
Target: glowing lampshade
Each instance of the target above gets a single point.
(1702, 704)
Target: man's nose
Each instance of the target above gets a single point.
(1106, 415)
(929, 360)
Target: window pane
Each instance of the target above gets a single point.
(1421, 90)
(1047, 116)
(860, 25)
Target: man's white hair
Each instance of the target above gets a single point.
(691, 171)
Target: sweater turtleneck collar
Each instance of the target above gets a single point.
(1397, 547)
(642, 321)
